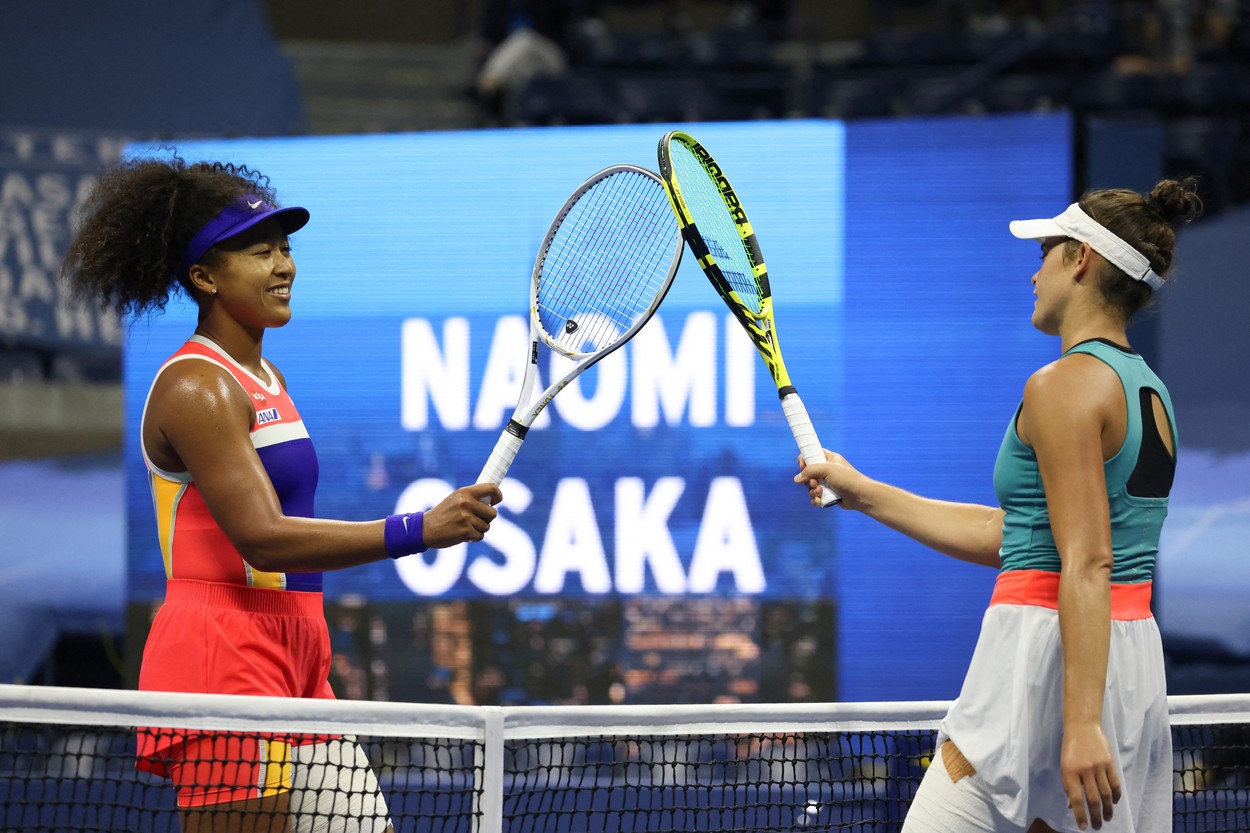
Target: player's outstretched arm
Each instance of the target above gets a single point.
(200, 414)
(966, 531)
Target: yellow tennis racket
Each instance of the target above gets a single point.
(715, 226)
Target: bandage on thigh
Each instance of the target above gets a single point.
(943, 806)
(957, 765)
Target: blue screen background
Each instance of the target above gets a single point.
(902, 306)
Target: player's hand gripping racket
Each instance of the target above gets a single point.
(605, 265)
(715, 225)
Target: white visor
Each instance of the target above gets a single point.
(1078, 225)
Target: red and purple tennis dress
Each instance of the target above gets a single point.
(226, 627)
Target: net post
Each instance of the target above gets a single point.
(489, 797)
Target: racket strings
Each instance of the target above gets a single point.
(715, 225)
(606, 263)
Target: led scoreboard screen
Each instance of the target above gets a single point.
(651, 546)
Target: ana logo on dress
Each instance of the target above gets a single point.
(265, 416)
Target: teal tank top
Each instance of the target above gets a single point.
(1136, 522)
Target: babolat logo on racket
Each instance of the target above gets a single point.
(726, 190)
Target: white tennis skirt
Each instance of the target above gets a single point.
(1008, 720)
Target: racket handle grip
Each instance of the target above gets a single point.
(805, 436)
(504, 453)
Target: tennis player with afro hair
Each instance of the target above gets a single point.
(233, 476)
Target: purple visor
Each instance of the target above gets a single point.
(236, 218)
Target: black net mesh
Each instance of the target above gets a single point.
(84, 778)
(1212, 778)
(764, 782)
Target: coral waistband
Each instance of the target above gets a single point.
(1040, 588)
(251, 599)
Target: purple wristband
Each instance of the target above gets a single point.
(403, 534)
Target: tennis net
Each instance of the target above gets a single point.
(67, 763)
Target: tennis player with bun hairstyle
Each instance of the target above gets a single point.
(233, 475)
(1062, 721)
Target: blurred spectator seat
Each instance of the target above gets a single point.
(1207, 89)
(1114, 90)
(903, 47)
(839, 94)
(602, 47)
(742, 49)
(941, 91)
(703, 95)
(1206, 147)
(1026, 92)
(573, 98)
(667, 96)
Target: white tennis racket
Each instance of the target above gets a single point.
(605, 265)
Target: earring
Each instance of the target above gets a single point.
(214, 291)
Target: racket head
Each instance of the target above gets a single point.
(606, 263)
(714, 223)
(715, 226)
